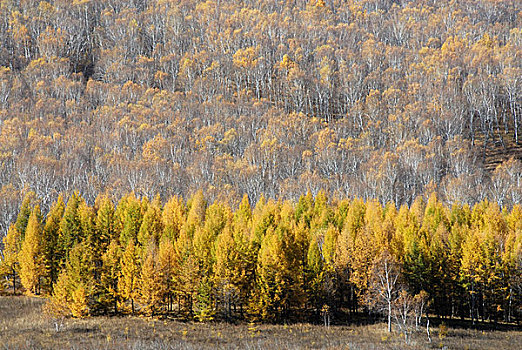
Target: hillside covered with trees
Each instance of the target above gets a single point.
(277, 261)
(371, 98)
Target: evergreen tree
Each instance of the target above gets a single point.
(119, 215)
(416, 266)
(79, 304)
(108, 296)
(315, 270)
(151, 227)
(151, 290)
(365, 247)
(304, 209)
(173, 218)
(186, 278)
(106, 224)
(243, 214)
(322, 214)
(246, 251)
(470, 272)
(25, 212)
(9, 266)
(301, 242)
(196, 213)
(80, 271)
(128, 280)
(406, 228)
(70, 228)
(460, 216)
(279, 285)
(512, 263)
(434, 216)
(268, 292)
(74, 291)
(132, 219)
(51, 232)
(167, 270)
(229, 270)
(58, 304)
(32, 267)
(345, 249)
(216, 218)
(328, 278)
(265, 216)
(89, 234)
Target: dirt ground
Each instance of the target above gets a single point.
(24, 326)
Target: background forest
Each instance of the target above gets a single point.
(373, 98)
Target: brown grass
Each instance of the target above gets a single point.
(23, 326)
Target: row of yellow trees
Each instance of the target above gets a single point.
(276, 261)
(365, 98)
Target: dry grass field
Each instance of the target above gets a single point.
(23, 326)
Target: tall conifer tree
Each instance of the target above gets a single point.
(51, 233)
(31, 259)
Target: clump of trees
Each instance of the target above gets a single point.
(309, 260)
(369, 98)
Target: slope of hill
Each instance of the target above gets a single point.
(370, 98)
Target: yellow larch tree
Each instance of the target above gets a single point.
(173, 217)
(128, 279)
(32, 267)
(151, 227)
(151, 290)
(50, 235)
(9, 265)
(167, 269)
(228, 272)
(108, 296)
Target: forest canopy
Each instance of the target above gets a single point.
(377, 99)
(273, 261)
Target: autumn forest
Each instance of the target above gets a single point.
(276, 261)
(268, 161)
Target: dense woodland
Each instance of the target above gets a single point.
(312, 260)
(372, 98)
(140, 133)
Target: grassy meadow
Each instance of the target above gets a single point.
(23, 325)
